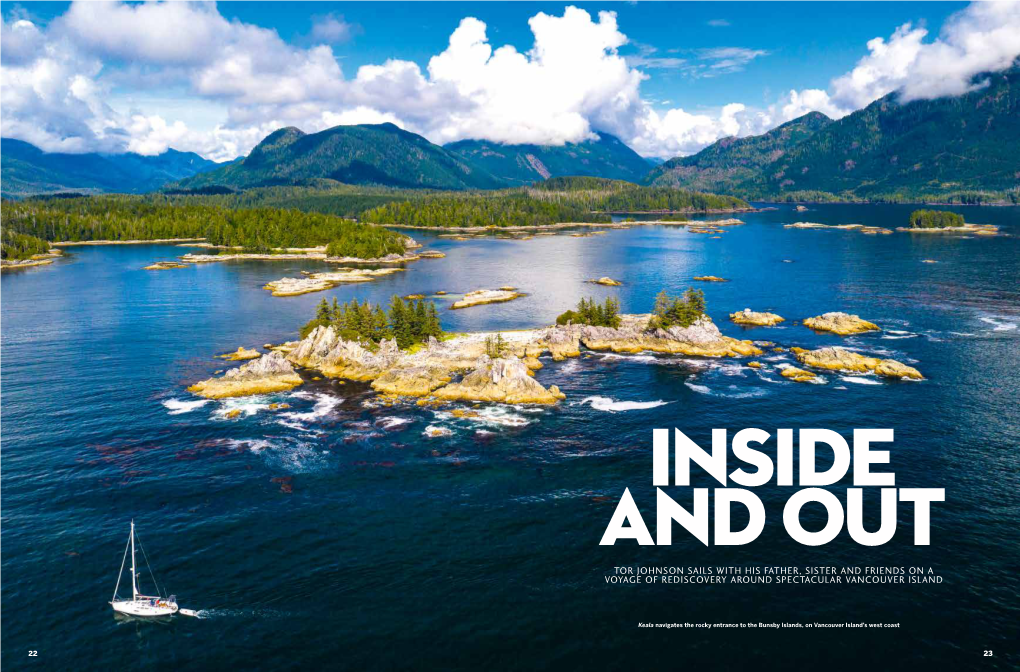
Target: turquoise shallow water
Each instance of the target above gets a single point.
(392, 549)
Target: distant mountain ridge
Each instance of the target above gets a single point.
(379, 154)
(915, 150)
(25, 170)
(607, 156)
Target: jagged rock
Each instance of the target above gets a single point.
(843, 324)
(700, 339)
(710, 278)
(165, 266)
(316, 282)
(503, 380)
(412, 381)
(751, 318)
(268, 373)
(755, 365)
(841, 359)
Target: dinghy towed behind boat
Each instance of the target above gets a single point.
(143, 605)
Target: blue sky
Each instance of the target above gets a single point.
(688, 68)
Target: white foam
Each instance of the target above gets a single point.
(247, 405)
(732, 392)
(612, 406)
(177, 407)
(324, 405)
(392, 422)
(254, 445)
(860, 380)
(997, 325)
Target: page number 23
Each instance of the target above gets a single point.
(988, 653)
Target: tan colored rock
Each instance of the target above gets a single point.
(483, 296)
(701, 339)
(607, 281)
(317, 282)
(242, 354)
(233, 414)
(841, 359)
(710, 278)
(751, 318)
(843, 324)
(165, 266)
(755, 365)
(502, 380)
(797, 375)
(269, 373)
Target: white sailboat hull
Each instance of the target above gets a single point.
(144, 608)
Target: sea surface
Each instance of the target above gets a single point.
(336, 534)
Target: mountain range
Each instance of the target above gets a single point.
(918, 150)
(604, 156)
(25, 169)
(922, 148)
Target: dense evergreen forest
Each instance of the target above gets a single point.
(589, 312)
(934, 219)
(479, 209)
(155, 217)
(408, 322)
(16, 246)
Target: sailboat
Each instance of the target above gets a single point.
(140, 605)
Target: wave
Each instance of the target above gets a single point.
(177, 407)
(324, 405)
(733, 393)
(860, 380)
(392, 422)
(249, 406)
(434, 431)
(612, 406)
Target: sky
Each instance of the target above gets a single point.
(667, 78)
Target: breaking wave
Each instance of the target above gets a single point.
(613, 406)
(177, 407)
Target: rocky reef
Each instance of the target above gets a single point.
(843, 324)
(606, 281)
(317, 282)
(504, 380)
(750, 318)
(241, 354)
(483, 296)
(841, 359)
(269, 373)
(798, 375)
(165, 265)
(709, 278)
(701, 339)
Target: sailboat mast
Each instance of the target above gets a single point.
(134, 584)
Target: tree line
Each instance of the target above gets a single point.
(17, 246)
(934, 219)
(155, 217)
(407, 322)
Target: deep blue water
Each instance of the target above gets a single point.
(482, 549)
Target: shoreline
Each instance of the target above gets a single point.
(453, 230)
(155, 241)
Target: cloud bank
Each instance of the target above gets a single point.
(57, 80)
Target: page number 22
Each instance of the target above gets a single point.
(33, 654)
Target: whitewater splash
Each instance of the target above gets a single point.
(732, 392)
(860, 380)
(613, 406)
(392, 422)
(997, 325)
(177, 407)
(248, 406)
(324, 405)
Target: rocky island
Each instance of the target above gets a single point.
(482, 296)
(841, 359)
(842, 324)
(606, 281)
(748, 317)
(269, 373)
(317, 282)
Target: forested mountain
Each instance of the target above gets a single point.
(735, 161)
(947, 148)
(523, 164)
(368, 154)
(25, 169)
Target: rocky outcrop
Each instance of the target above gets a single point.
(317, 282)
(241, 354)
(843, 324)
(606, 281)
(483, 296)
(750, 318)
(709, 278)
(269, 373)
(504, 380)
(798, 375)
(701, 339)
(841, 359)
(165, 266)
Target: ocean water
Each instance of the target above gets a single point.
(337, 534)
